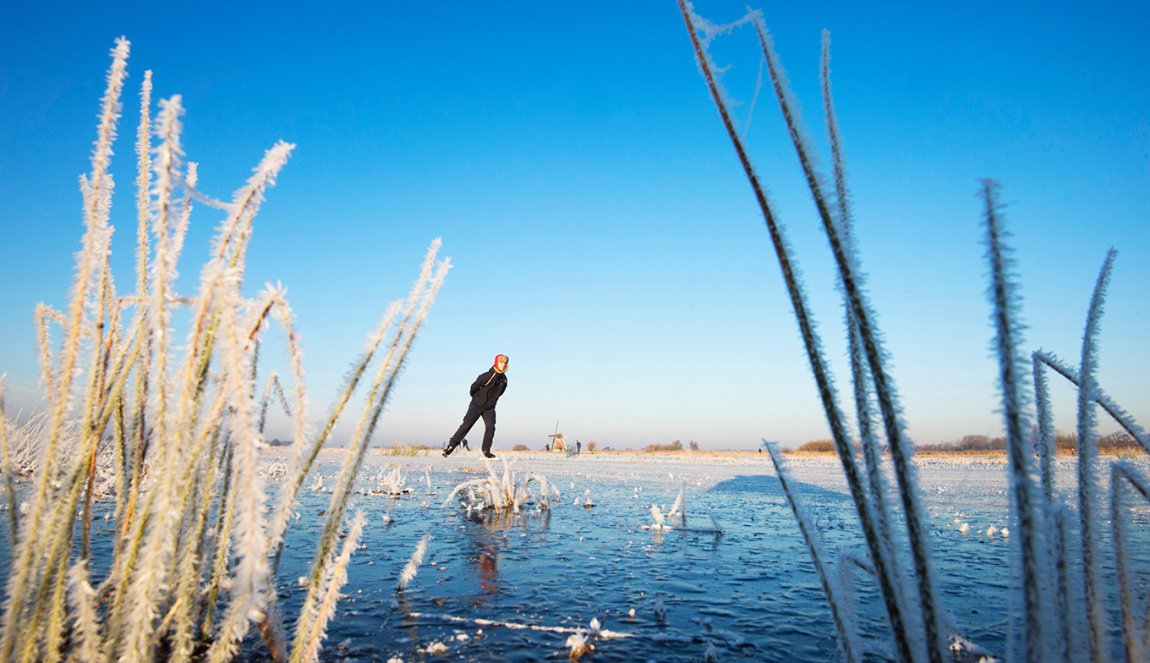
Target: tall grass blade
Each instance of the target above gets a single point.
(1096, 588)
(7, 469)
(813, 348)
(1115, 411)
(82, 598)
(1136, 633)
(811, 537)
(1030, 552)
(852, 282)
(29, 546)
(860, 373)
(419, 301)
(335, 575)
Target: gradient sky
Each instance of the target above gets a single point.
(602, 232)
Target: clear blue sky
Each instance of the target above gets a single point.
(602, 232)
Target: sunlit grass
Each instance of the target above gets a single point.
(174, 429)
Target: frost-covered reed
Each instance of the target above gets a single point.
(678, 512)
(174, 429)
(509, 492)
(1049, 582)
(412, 567)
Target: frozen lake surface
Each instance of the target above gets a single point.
(516, 587)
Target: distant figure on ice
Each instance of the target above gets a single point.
(485, 393)
(578, 446)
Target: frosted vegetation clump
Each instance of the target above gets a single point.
(173, 429)
(1059, 560)
(509, 492)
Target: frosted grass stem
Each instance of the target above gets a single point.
(1096, 589)
(852, 281)
(290, 487)
(249, 586)
(29, 547)
(7, 469)
(860, 374)
(86, 629)
(813, 540)
(1104, 401)
(308, 647)
(136, 432)
(223, 535)
(416, 310)
(1136, 634)
(1030, 552)
(814, 352)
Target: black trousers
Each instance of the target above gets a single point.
(469, 419)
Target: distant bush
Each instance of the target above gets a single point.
(817, 446)
(674, 446)
(591, 445)
(1116, 441)
(520, 447)
(402, 450)
(693, 445)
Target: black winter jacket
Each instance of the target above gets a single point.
(487, 389)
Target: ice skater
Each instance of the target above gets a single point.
(485, 393)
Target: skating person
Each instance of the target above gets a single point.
(485, 393)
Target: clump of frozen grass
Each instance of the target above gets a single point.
(175, 430)
(393, 483)
(509, 492)
(1045, 627)
(401, 450)
(678, 512)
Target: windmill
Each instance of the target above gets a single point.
(557, 440)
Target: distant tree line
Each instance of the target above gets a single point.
(674, 446)
(1063, 442)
